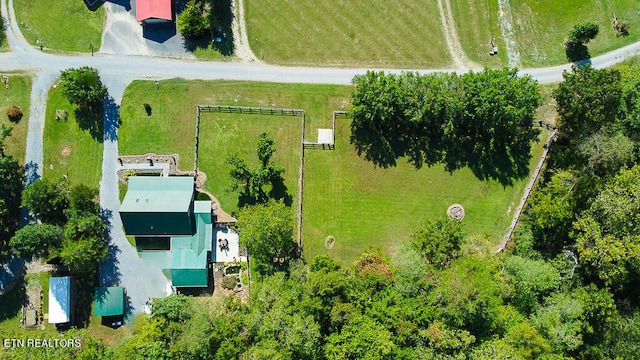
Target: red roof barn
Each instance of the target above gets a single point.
(153, 10)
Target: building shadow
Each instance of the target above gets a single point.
(159, 32)
(93, 5)
(126, 4)
(111, 119)
(109, 272)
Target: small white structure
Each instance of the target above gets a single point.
(325, 136)
(60, 300)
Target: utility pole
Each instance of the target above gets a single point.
(91, 48)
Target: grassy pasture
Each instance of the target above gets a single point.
(84, 157)
(541, 26)
(66, 25)
(171, 127)
(403, 33)
(365, 207)
(17, 94)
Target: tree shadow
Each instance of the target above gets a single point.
(11, 302)
(111, 119)
(577, 51)
(380, 149)
(222, 17)
(90, 118)
(279, 191)
(31, 173)
(221, 36)
(85, 285)
(126, 4)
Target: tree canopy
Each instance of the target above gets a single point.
(11, 174)
(258, 185)
(83, 88)
(481, 120)
(48, 201)
(39, 240)
(267, 232)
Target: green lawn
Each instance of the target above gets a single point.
(542, 26)
(365, 207)
(62, 25)
(18, 94)
(477, 23)
(171, 127)
(68, 150)
(403, 33)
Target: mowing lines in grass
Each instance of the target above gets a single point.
(403, 33)
(541, 27)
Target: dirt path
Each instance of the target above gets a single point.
(459, 58)
(506, 28)
(240, 39)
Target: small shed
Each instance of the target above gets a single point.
(61, 300)
(108, 301)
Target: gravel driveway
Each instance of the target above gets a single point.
(123, 35)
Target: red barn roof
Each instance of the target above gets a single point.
(153, 9)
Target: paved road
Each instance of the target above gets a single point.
(117, 70)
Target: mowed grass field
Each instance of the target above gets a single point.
(364, 207)
(477, 23)
(66, 25)
(171, 127)
(372, 33)
(541, 26)
(18, 94)
(68, 150)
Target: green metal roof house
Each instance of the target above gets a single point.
(158, 206)
(108, 301)
(161, 211)
(190, 255)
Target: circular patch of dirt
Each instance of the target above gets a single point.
(329, 241)
(66, 151)
(456, 212)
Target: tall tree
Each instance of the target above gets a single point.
(83, 87)
(267, 232)
(253, 182)
(439, 241)
(480, 120)
(11, 174)
(607, 233)
(38, 240)
(47, 200)
(587, 99)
